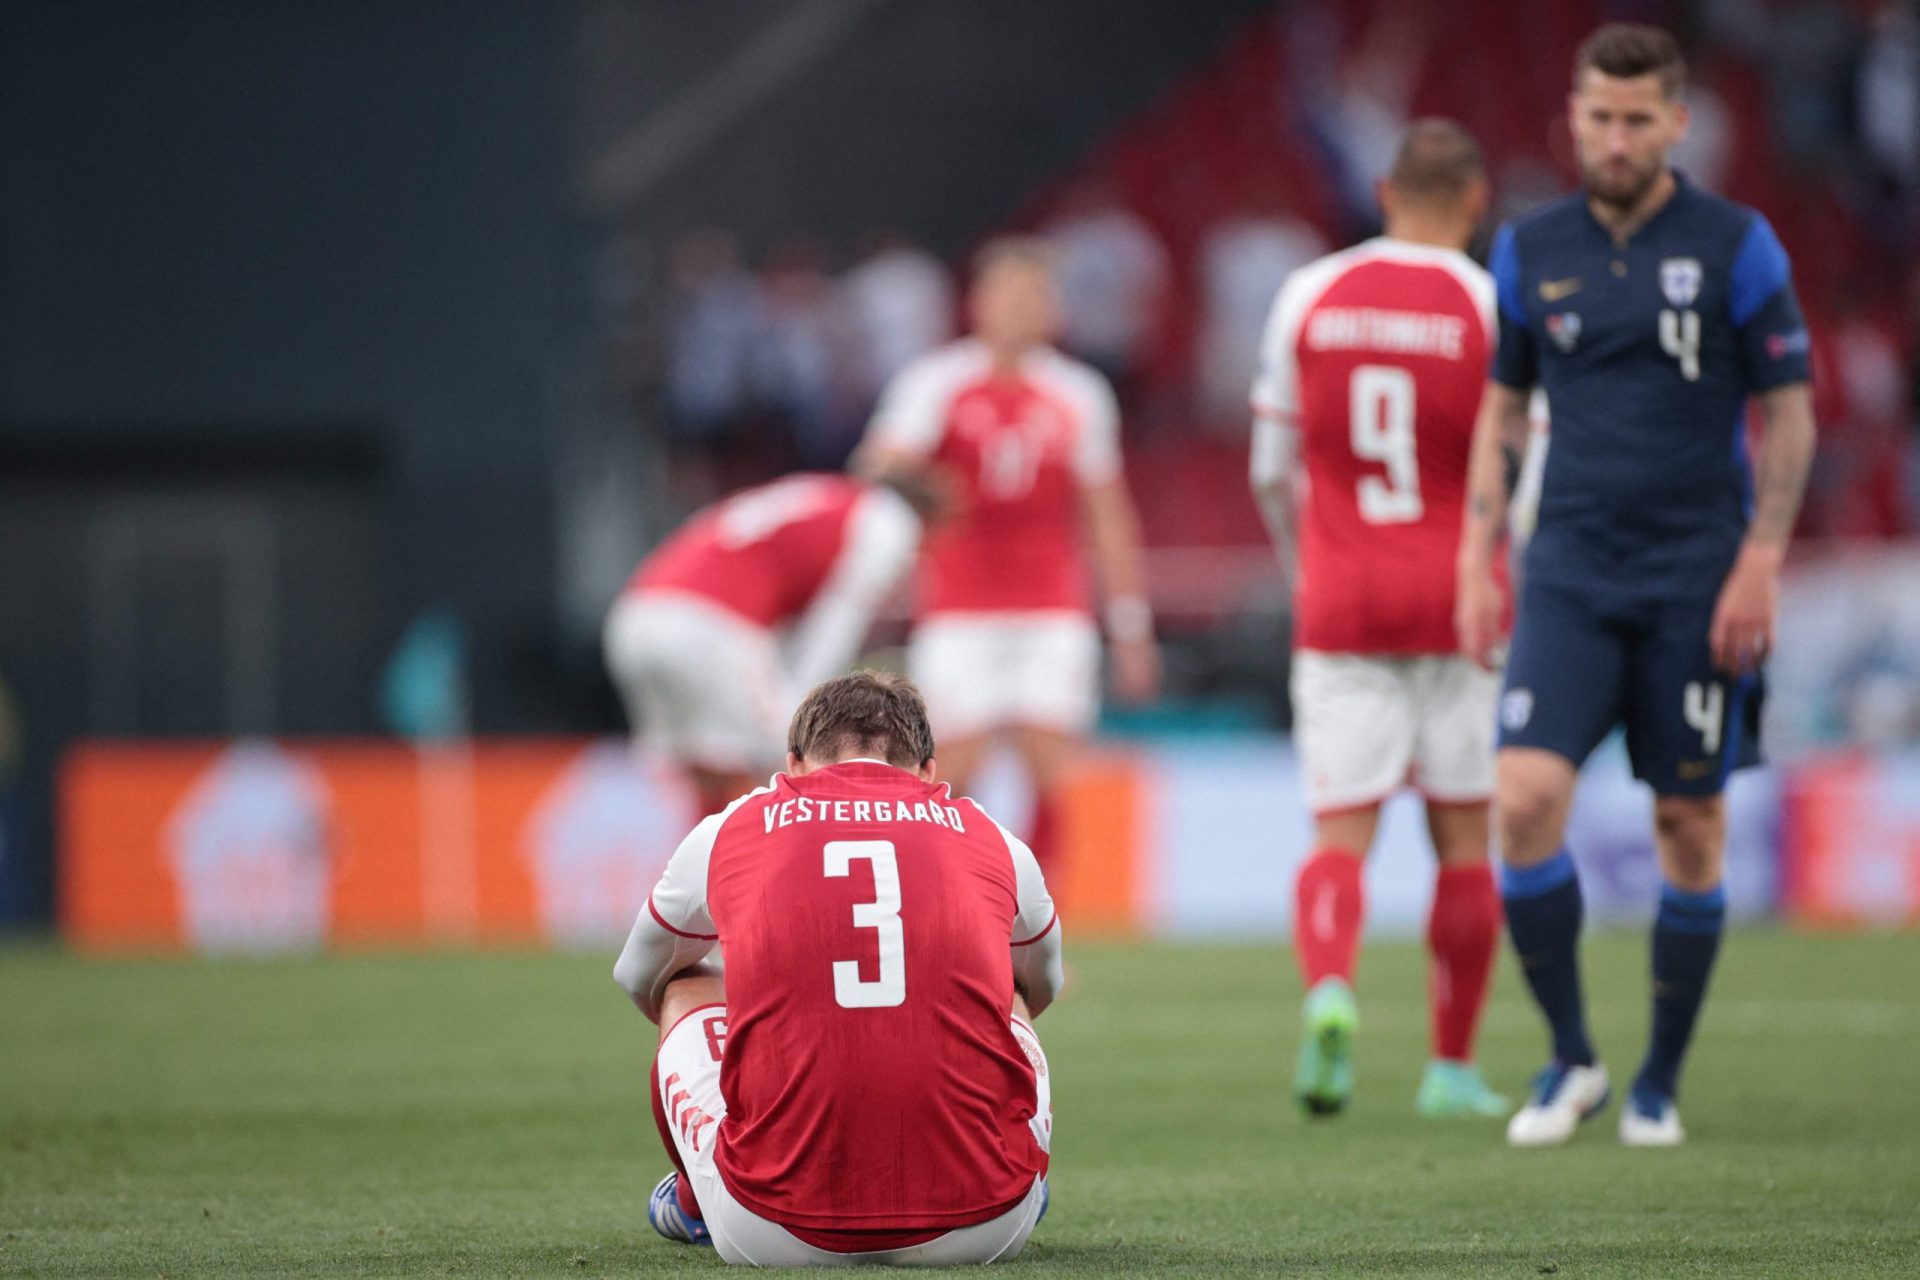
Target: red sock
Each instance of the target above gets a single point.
(1044, 834)
(1462, 934)
(684, 1188)
(1328, 902)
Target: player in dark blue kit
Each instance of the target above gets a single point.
(1649, 311)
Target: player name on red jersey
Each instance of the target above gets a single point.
(806, 809)
(1400, 332)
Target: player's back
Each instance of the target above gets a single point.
(1388, 345)
(763, 553)
(871, 1077)
(1019, 445)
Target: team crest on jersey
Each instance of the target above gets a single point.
(1564, 328)
(1680, 280)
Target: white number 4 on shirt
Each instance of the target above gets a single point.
(882, 915)
(1680, 338)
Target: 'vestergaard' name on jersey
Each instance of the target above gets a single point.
(1399, 332)
(804, 809)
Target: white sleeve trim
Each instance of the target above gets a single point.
(1276, 387)
(911, 416)
(1037, 956)
(673, 931)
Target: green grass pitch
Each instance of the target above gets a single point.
(485, 1115)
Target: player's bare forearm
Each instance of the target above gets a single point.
(875, 461)
(1499, 444)
(1786, 455)
(1113, 532)
(1271, 475)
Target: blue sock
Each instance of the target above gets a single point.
(1686, 938)
(1543, 918)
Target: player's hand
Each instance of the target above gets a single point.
(1479, 607)
(1742, 631)
(1136, 669)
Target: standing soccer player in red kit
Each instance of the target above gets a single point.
(864, 1084)
(1005, 646)
(1372, 368)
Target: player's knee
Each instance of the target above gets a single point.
(1532, 800)
(1691, 834)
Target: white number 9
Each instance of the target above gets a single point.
(1380, 399)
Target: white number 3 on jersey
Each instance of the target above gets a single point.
(882, 915)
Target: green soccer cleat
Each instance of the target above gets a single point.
(1456, 1089)
(1324, 1079)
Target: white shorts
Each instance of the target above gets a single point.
(690, 1058)
(701, 685)
(985, 671)
(1365, 725)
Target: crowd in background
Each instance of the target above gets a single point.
(756, 364)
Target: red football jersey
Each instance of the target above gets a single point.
(1377, 357)
(1019, 446)
(871, 1079)
(763, 553)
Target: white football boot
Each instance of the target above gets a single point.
(1650, 1120)
(1563, 1096)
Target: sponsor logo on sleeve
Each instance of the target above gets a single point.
(1782, 345)
(1680, 280)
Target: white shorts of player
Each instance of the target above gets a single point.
(1366, 725)
(701, 685)
(986, 671)
(743, 1238)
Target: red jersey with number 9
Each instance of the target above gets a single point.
(763, 553)
(871, 1078)
(1377, 358)
(1019, 445)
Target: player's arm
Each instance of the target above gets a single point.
(1743, 617)
(1271, 473)
(673, 932)
(883, 535)
(1113, 534)
(1493, 469)
(1038, 969)
(906, 425)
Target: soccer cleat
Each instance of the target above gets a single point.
(1563, 1096)
(1323, 1080)
(1650, 1119)
(669, 1219)
(1456, 1089)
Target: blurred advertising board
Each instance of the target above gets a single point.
(1852, 825)
(258, 846)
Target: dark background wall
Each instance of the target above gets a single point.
(304, 263)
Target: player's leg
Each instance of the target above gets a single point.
(1354, 727)
(1453, 762)
(955, 661)
(1690, 727)
(1564, 686)
(1051, 670)
(684, 1086)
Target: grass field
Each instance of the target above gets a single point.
(485, 1115)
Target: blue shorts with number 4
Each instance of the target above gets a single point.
(1581, 663)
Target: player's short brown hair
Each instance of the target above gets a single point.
(869, 713)
(1022, 251)
(1626, 50)
(1438, 161)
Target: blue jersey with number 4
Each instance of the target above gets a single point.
(1647, 348)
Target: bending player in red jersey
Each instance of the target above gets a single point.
(736, 615)
(1005, 646)
(1372, 368)
(864, 1084)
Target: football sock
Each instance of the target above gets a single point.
(1328, 904)
(683, 1189)
(1044, 837)
(1543, 917)
(1463, 932)
(1686, 938)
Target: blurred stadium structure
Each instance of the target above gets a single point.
(353, 354)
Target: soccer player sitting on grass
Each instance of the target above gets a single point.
(864, 1085)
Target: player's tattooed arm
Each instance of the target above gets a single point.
(1741, 635)
(1493, 468)
(1786, 455)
